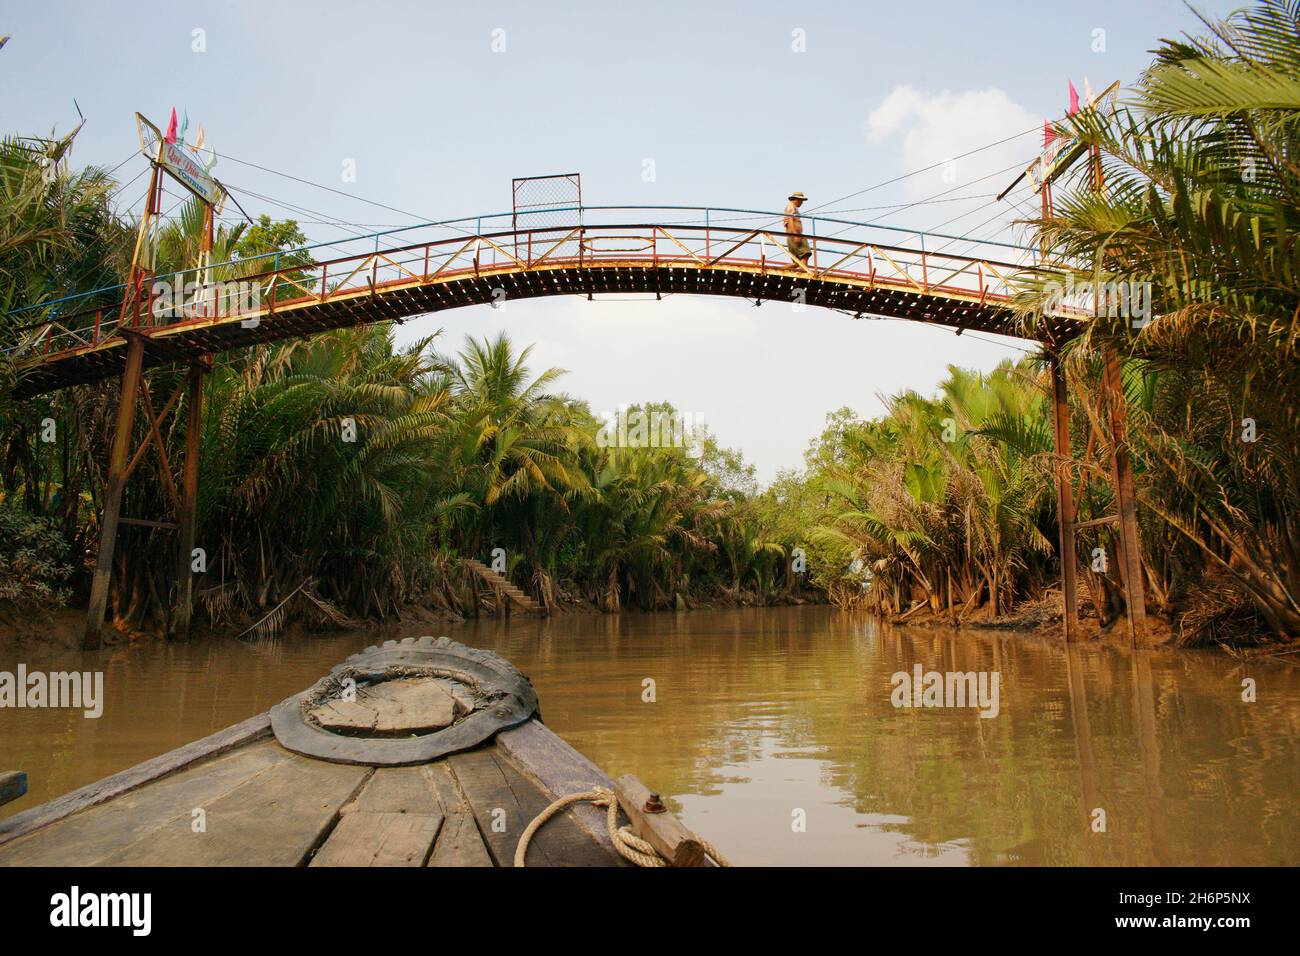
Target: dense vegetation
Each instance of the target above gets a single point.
(1202, 201)
(344, 476)
(949, 497)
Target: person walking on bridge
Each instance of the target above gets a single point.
(797, 244)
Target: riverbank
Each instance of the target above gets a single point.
(62, 628)
(1045, 618)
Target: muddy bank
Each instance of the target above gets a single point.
(59, 630)
(1045, 617)
(62, 629)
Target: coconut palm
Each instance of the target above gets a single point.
(1200, 197)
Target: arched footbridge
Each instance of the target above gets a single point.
(862, 269)
(859, 268)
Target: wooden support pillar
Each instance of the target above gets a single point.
(1125, 496)
(189, 503)
(1064, 498)
(117, 471)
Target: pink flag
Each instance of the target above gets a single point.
(1074, 99)
(1049, 134)
(171, 127)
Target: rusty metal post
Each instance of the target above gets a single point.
(93, 639)
(142, 261)
(189, 502)
(1125, 495)
(1064, 496)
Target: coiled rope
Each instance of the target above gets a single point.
(629, 846)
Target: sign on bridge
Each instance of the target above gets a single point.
(179, 163)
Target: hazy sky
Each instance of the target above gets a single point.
(736, 104)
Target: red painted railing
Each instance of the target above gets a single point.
(296, 284)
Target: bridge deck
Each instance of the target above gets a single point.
(395, 284)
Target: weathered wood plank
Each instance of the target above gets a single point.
(504, 803)
(394, 821)
(366, 838)
(13, 784)
(404, 706)
(119, 783)
(275, 819)
(559, 770)
(501, 820)
(398, 790)
(344, 715)
(459, 842)
(88, 837)
(410, 706)
(661, 829)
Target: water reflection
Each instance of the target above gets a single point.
(766, 717)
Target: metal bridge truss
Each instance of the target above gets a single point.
(294, 294)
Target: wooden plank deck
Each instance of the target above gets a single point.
(263, 805)
(394, 821)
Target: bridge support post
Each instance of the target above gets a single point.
(117, 468)
(189, 502)
(1125, 495)
(1064, 498)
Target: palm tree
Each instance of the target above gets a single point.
(1201, 196)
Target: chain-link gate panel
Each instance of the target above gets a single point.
(546, 212)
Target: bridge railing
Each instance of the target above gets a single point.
(659, 237)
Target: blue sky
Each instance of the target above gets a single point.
(718, 95)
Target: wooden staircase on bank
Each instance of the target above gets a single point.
(500, 584)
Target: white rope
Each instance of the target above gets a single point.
(629, 846)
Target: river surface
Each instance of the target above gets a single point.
(774, 733)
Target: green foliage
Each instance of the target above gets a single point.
(940, 498)
(32, 578)
(1201, 200)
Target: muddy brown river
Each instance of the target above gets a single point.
(775, 733)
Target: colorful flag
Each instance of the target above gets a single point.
(211, 160)
(199, 140)
(171, 128)
(1074, 99)
(185, 125)
(1088, 95)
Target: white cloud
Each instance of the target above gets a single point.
(936, 127)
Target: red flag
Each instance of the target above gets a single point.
(1049, 134)
(171, 127)
(1074, 99)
